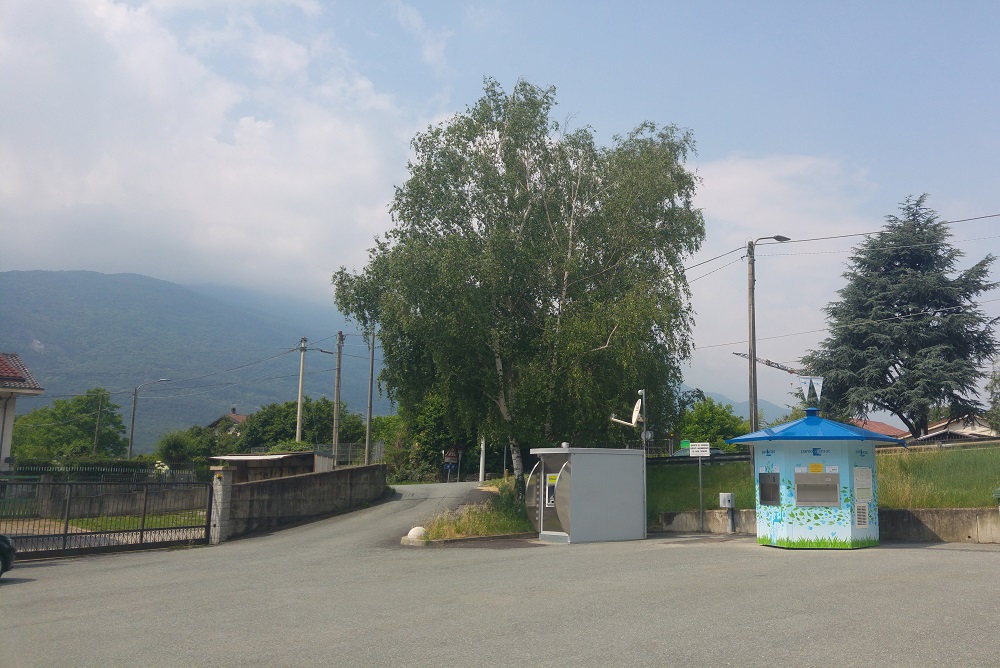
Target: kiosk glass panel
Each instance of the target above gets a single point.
(770, 489)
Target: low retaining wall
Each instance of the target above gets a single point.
(103, 499)
(242, 508)
(949, 525)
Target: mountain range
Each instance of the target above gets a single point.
(219, 348)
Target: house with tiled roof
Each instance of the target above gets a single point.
(881, 428)
(971, 427)
(230, 423)
(15, 381)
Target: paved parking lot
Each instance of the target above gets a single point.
(343, 592)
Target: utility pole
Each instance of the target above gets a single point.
(302, 373)
(336, 397)
(97, 429)
(371, 386)
(135, 400)
(752, 356)
(751, 316)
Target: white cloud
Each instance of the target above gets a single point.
(432, 43)
(743, 199)
(126, 148)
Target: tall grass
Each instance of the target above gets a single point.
(938, 478)
(927, 479)
(503, 513)
(675, 488)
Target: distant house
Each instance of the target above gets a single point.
(881, 428)
(15, 381)
(962, 429)
(229, 423)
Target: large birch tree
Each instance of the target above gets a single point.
(532, 279)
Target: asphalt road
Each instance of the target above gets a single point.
(343, 592)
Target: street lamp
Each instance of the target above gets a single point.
(751, 280)
(646, 433)
(135, 398)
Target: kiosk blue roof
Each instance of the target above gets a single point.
(814, 428)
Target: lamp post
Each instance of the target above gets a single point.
(135, 398)
(645, 429)
(751, 280)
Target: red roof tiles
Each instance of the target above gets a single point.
(14, 375)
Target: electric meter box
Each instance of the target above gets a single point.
(815, 483)
(726, 500)
(581, 495)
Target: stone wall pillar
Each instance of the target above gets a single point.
(222, 497)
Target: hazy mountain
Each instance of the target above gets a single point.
(742, 408)
(219, 347)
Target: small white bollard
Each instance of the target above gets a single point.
(416, 537)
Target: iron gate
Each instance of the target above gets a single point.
(64, 518)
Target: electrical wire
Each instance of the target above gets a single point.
(851, 324)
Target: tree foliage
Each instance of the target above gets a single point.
(533, 280)
(906, 332)
(275, 423)
(712, 422)
(993, 390)
(66, 429)
(195, 445)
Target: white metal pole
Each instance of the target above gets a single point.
(482, 459)
(302, 373)
(336, 397)
(371, 387)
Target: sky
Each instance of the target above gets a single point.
(256, 143)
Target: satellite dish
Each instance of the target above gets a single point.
(635, 416)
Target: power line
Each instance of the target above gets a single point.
(850, 324)
(834, 237)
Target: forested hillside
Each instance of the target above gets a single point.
(219, 347)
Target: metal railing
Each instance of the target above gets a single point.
(63, 518)
(103, 473)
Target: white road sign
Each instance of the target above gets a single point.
(701, 449)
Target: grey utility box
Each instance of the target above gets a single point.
(581, 495)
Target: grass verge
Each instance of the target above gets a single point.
(502, 513)
(184, 518)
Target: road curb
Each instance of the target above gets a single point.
(442, 542)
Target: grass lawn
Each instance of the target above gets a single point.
(183, 518)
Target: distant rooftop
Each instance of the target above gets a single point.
(15, 377)
(881, 428)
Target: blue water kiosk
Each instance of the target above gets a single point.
(815, 481)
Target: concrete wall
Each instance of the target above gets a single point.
(716, 521)
(97, 500)
(950, 525)
(242, 508)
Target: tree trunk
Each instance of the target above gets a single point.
(515, 458)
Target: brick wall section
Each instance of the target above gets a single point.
(242, 508)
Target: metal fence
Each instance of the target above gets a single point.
(105, 473)
(353, 454)
(64, 518)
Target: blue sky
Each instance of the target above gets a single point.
(257, 142)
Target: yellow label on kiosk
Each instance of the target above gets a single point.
(815, 468)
